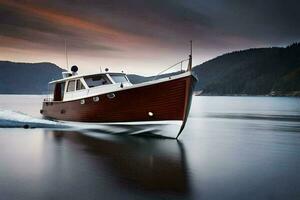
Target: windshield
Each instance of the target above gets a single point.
(96, 80)
(119, 78)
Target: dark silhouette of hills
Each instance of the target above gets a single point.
(140, 79)
(252, 72)
(27, 78)
(262, 71)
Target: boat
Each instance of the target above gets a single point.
(109, 98)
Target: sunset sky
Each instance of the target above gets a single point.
(140, 36)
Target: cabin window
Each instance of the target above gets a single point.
(119, 78)
(96, 80)
(79, 85)
(71, 86)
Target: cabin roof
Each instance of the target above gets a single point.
(82, 76)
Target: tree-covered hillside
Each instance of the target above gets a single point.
(252, 72)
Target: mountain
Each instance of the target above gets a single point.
(140, 79)
(27, 78)
(262, 71)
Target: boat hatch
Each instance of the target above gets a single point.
(58, 91)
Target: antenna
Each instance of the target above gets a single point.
(100, 69)
(191, 42)
(66, 52)
(190, 57)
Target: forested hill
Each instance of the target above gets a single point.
(27, 78)
(261, 71)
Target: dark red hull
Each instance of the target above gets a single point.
(166, 100)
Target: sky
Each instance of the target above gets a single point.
(141, 36)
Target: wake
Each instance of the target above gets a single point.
(13, 119)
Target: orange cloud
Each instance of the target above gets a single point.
(65, 20)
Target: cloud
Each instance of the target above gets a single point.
(146, 29)
(23, 20)
(271, 22)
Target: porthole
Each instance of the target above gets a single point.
(111, 95)
(96, 99)
(82, 101)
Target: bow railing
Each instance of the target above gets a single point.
(173, 66)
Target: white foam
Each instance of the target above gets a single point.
(9, 119)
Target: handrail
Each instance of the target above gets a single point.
(169, 68)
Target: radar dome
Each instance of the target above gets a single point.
(74, 68)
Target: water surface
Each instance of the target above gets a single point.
(231, 148)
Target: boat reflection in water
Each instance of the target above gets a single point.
(144, 167)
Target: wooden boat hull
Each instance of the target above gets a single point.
(167, 100)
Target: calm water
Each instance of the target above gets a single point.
(231, 148)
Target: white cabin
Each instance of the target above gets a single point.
(74, 86)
